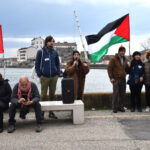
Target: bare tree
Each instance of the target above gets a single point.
(146, 44)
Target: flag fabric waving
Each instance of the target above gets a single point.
(1, 41)
(115, 32)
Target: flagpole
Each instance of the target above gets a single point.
(4, 75)
(85, 52)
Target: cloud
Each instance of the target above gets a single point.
(17, 40)
(145, 3)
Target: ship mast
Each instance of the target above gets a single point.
(81, 37)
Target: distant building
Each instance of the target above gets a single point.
(23, 54)
(65, 50)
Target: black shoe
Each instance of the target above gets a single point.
(132, 109)
(38, 128)
(22, 116)
(115, 111)
(139, 109)
(52, 115)
(121, 109)
(11, 129)
(1, 130)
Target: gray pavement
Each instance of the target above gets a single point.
(102, 130)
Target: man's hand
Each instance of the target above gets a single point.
(141, 79)
(112, 80)
(21, 100)
(28, 103)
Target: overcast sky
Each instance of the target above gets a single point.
(23, 20)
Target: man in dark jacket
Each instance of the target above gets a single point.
(47, 66)
(117, 75)
(5, 94)
(25, 95)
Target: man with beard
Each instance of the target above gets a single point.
(25, 95)
(77, 70)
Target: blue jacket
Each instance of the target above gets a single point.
(135, 71)
(49, 66)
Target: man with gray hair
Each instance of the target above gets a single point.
(25, 95)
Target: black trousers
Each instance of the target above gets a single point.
(135, 97)
(12, 112)
(147, 94)
(2, 109)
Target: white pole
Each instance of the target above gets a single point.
(85, 52)
(4, 75)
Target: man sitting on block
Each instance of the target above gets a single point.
(25, 95)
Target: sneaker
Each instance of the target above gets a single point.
(52, 115)
(38, 128)
(121, 109)
(147, 109)
(11, 128)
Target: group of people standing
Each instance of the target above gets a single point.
(139, 74)
(25, 94)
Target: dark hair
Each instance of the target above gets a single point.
(121, 48)
(1, 78)
(48, 39)
(75, 52)
(136, 53)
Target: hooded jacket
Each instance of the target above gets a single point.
(49, 66)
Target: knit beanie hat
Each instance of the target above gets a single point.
(136, 53)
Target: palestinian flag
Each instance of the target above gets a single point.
(1, 41)
(115, 32)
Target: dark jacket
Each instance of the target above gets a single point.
(147, 73)
(34, 96)
(135, 71)
(115, 69)
(5, 93)
(49, 66)
(78, 74)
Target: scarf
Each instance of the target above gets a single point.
(28, 90)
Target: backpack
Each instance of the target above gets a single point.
(33, 71)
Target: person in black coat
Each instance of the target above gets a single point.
(135, 70)
(5, 94)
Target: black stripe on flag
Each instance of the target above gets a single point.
(109, 27)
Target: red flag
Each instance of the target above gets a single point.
(1, 41)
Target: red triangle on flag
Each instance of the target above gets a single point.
(1, 41)
(124, 29)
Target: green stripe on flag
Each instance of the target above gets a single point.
(95, 57)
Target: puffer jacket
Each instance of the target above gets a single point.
(49, 66)
(5, 93)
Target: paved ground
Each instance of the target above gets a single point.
(102, 130)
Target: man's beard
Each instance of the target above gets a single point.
(24, 88)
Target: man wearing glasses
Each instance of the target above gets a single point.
(47, 66)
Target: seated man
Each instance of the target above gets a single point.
(25, 95)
